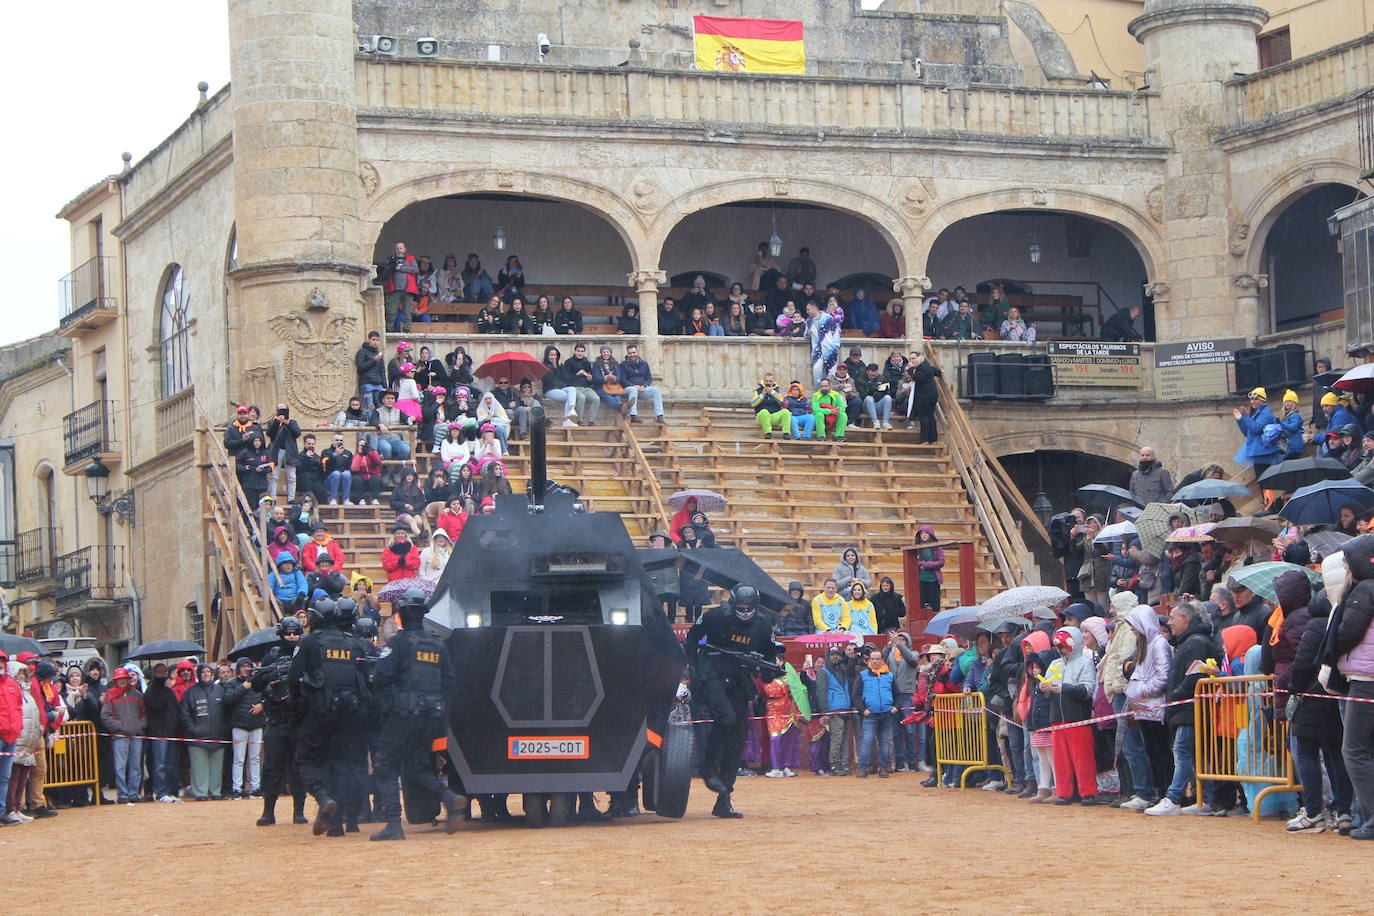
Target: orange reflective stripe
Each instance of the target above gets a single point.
(654, 737)
(439, 744)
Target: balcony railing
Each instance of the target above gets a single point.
(34, 554)
(176, 419)
(86, 289)
(89, 574)
(7, 564)
(89, 431)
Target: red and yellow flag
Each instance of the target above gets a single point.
(749, 45)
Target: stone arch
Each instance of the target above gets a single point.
(1126, 451)
(1279, 194)
(1134, 225)
(877, 212)
(590, 196)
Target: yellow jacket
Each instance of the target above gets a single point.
(830, 615)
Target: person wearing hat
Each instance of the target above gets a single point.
(123, 715)
(239, 433)
(400, 559)
(1257, 450)
(1337, 416)
(325, 578)
(393, 366)
(52, 712)
(321, 542)
(1292, 425)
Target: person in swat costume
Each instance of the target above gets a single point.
(279, 739)
(365, 628)
(413, 676)
(355, 786)
(329, 680)
(724, 648)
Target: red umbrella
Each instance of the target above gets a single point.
(511, 365)
(1361, 378)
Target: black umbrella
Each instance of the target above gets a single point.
(166, 648)
(255, 645)
(1321, 503)
(13, 645)
(1295, 473)
(724, 567)
(1209, 490)
(1105, 495)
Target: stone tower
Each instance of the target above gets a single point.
(1191, 48)
(295, 307)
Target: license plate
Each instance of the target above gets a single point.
(560, 747)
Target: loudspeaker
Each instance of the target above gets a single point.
(1039, 377)
(1248, 369)
(1011, 375)
(982, 375)
(384, 44)
(426, 47)
(1285, 366)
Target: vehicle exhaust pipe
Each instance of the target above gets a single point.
(539, 471)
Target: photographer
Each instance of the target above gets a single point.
(402, 288)
(279, 737)
(282, 432)
(876, 391)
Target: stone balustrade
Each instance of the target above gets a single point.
(1339, 72)
(493, 90)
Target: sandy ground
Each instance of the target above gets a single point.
(931, 850)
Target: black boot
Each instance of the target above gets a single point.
(723, 808)
(324, 817)
(587, 811)
(457, 807)
(298, 810)
(269, 811)
(392, 831)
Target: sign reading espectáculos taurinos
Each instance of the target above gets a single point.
(1196, 369)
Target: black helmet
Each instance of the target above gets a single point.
(744, 599)
(324, 609)
(289, 625)
(413, 597)
(365, 627)
(345, 610)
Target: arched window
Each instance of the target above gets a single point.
(175, 332)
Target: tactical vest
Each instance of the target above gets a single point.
(342, 683)
(419, 690)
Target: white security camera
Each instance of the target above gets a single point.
(544, 46)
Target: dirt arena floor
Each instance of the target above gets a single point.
(897, 845)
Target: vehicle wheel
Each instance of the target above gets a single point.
(560, 808)
(674, 770)
(536, 809)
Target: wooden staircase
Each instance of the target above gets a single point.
(794, 506)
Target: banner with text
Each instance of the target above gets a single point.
(1095, 363)
(1197, 369)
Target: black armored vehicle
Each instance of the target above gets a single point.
(566, 669)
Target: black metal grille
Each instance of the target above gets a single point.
(575, 687)
(522, 683)
(89, 431)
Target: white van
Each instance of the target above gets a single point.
(75, 650)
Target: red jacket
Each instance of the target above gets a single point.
(51, 710)
(11, 709)
(367, 466)
(312, 549)
(452, 523)
(400, 566)
(407, 284)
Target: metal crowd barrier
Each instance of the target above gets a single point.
(961, 735)
(72, 758)
(1239, 739)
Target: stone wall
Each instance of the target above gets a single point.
(961, 40)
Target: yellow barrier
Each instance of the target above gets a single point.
(961, 735)
(73, 760)
(1238, 737)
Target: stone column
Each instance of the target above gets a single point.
(912, 290)
(1247, 292)
(1193, 47)
(299, 308)
(646, 282)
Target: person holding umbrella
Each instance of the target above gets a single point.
(1258, 450)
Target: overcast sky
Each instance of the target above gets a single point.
(101, 79)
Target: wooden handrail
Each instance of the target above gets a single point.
(980, 473)
(650, 478)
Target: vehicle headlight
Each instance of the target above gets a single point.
(620, 617)
(474, 621)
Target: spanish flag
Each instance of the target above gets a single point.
(749, 45)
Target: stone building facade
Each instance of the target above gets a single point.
(273, 199)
